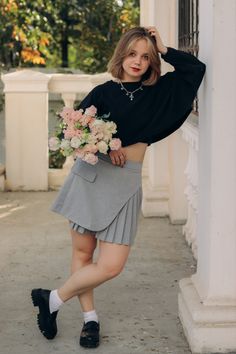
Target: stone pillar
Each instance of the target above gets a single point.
(190, 135)
(178, 156)
(163, 189)
(26, 94)
(207, 300)
(155, 185)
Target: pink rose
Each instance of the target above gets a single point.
(69, 133)
(92, 148)
(91, 111)
(77, 115)
(84, 120)
(91, 122)
(79, 153)
(66, 113)
(54, 143)
(90, 158)
(115, 144)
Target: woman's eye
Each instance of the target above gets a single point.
(132, 54)
(146, 57)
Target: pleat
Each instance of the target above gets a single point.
(123, 229)
(80, 228)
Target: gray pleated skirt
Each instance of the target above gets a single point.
(103, 199)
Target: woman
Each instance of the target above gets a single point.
(102, 202)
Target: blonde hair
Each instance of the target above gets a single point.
(124, 47)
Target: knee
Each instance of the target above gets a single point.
(84, 253)
(111, 270)
(84, 256)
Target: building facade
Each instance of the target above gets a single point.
(207, 300)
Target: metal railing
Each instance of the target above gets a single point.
(188, 31)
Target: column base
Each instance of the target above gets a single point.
(208, 329)
(155, 200)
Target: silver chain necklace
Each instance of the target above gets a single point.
(131, 93)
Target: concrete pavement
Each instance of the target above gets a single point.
(138, 310)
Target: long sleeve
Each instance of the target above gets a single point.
(92, 98)
(181, 86)
(187, 67)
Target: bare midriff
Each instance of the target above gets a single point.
(135, 152)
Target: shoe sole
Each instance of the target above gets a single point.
(37, 302)
(89, 345)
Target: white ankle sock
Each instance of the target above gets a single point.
(90, 316)
(54, 301)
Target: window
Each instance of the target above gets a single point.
(188, 31)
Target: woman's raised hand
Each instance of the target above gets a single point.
(154, 32)
(118, 157)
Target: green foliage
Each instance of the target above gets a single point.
(103, 23)
(2, 101)
(56, 158)
(79, 34)
(24, 34)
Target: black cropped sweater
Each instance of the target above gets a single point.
(156, 111)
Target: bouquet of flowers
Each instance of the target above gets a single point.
(84, 134)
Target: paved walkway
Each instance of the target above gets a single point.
(138, 310)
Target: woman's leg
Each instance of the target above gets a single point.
(111, 260)
(83, 246)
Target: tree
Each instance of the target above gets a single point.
(76, 33)
(86, 31)
(100, 32)
(24, 34)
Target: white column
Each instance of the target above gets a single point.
(158, 198)
(148, 12)
(26, 93)
(207, 300)
(190, 135)
(155, 185)
(178, 154)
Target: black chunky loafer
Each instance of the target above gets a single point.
(89, 336)
(46, 321)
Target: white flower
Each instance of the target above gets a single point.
(98, 123)
(111, 126)
(102, 147)
(92, 139)
(75, 142)
(66, 148)
(107, 137)
(65, 144)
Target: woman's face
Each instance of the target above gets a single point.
(136, 62)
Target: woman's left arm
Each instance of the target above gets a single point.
(179, 88)
(187, 67)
